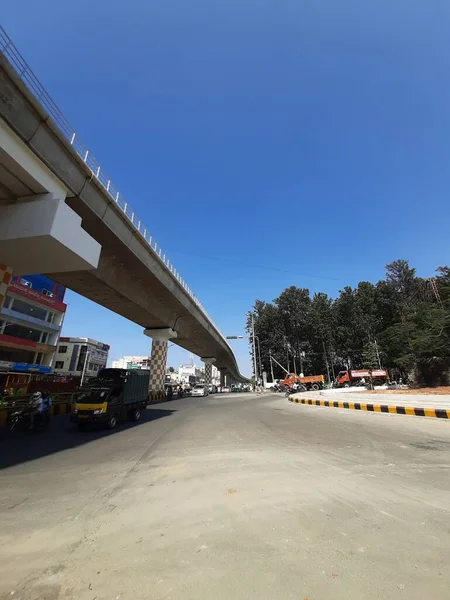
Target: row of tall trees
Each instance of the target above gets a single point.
(402, 322)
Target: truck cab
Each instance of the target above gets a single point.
(113, 396)
(343, 379)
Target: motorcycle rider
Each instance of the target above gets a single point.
(37, 407)
(47, 403)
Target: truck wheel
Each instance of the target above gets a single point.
(112, 422)
(315, 387)
(136, 414)
(347, 385)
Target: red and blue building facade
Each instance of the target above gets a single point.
(31, 319)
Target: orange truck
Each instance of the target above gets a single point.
(311, 382)
(348, 378)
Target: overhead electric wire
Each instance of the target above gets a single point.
(254, 266)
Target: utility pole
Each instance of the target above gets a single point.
(326, 360)
(378, 354)
(254, 349)
(259, 356)
(271, 365)
(83, 372)
(275, 360)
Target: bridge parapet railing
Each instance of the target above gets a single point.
(27, 76)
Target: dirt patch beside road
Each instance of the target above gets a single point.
(438, 391)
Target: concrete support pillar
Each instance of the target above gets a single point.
(208, 369)
(5, 279)
(158, 361)
(222, 378)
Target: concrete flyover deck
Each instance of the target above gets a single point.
(132, 278)
(419, 405)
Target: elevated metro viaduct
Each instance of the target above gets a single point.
(60, 215)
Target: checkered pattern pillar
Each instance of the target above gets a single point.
(158, 363)
(208, 373)
(5, 278)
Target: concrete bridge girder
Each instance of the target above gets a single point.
(129, 279)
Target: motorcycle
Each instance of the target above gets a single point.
(21, 418)
(297, 387)
(278, 388)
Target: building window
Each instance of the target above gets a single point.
(50, 317)
(25, 308)
(26, 283)
(44, 337)
(48, 293)
(62, 350)
(59, 364)
(11, 355)
(39, 357)
(24, 333)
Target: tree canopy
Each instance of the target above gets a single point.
(402, 322)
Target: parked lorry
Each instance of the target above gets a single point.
(356, 377)
(114, 395)
(311, 382)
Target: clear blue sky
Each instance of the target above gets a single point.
(311, 137)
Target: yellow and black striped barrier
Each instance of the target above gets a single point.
(158, 396)
(435, 413)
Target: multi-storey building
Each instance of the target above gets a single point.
(131, 362)
(30, 323)
(80, 356)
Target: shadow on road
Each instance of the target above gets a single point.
(17, 446)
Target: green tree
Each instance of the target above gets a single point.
(408, 316)
(321, 335)
(370, 356)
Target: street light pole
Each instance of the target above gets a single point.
(253, 337)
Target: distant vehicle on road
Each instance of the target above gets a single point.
(225, 389)
(311, 382)
(200, 390)
(356, 377)
(112, 396)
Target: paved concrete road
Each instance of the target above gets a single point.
(229, 497)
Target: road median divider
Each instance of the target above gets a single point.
(435, 413)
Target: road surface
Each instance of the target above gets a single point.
(229, 497)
